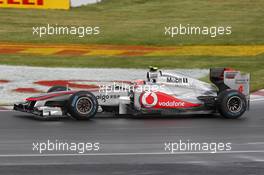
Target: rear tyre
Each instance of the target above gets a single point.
(231, 104)
(57, 89)
(82, 105)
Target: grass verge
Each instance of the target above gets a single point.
(141, 22)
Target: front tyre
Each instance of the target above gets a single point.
(231, 104)
(82, 105)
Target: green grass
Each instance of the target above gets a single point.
(253, 65)
(142, 22)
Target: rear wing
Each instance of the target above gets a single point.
(238, 81)
(225, 78)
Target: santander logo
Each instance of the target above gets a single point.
(149, 99)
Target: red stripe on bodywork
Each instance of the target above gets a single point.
(55, 94)
(51, 95)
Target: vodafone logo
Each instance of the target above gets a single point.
(161, 100)
(172, 104)
(149, 99)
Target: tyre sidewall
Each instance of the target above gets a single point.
(72, 105)
(223, 100)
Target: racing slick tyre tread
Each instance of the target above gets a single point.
(82, 105)
(57, 89)
(231, 104)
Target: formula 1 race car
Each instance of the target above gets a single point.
(160, 93)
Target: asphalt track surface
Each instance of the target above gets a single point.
(133, 145)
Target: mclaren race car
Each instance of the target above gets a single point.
(160, 93)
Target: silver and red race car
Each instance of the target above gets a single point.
(160, 93)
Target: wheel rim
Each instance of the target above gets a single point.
(84, 105)
(234, 104)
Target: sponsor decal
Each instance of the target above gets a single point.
(172, 104)
(177, 80)
(149, 99)
(105, 98)
(159, 100)
(242, 81)
(241, 88)
(39, 4)
(23, 2)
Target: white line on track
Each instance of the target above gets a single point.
(126, 154)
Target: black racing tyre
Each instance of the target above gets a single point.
(57, 89)
(231, 104)
(82, 105)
